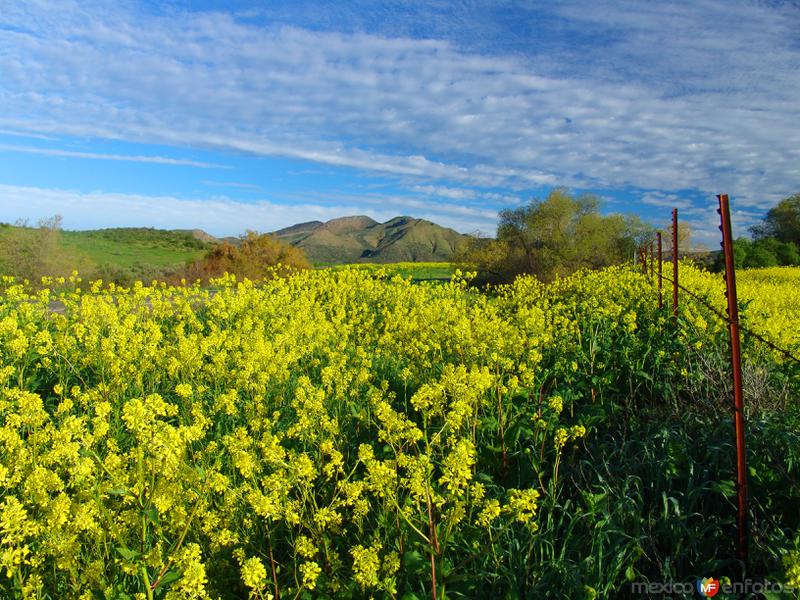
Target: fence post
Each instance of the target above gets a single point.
(675, 263)
(660, 277)
(736, 366)
(652, 260)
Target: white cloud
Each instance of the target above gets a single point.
(160, 160)
(677, 96)
(471, 195)
(446, 192)
(232, 184)
(663, 200)
(705, 222)
(218, 215)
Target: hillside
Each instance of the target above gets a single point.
(123, 247)
(362, 239)
(118, 247)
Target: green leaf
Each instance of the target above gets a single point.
(152, 515)
(169, 577)
(726, 488)
(484, 477)
(128, 554)
(414, 561)
(630, 575)
(446, 567)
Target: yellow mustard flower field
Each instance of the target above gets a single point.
(341, 434)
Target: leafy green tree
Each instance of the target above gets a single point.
(759, 257)
(781, 222)
(788, 254)
(741, 249)
(759, 253)
(552, 238)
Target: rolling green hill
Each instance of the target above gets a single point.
(33, 251)
(124, 247)
(362, 239)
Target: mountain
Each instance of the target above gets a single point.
(198, 234)
(362, 239)
(295, 233)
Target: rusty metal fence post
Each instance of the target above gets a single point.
(736, 366)
(675, 263)
(660, 275)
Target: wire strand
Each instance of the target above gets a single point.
(728, 320)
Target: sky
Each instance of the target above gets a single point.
(228, 115)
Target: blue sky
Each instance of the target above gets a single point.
(256, 115)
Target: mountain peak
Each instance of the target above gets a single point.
(345, 224)
(305, 226)
(360, 238)
(400, 221)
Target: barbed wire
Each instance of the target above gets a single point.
(728, 320)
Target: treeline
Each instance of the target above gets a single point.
(759, 253)
(32, 252)
(554, 237)
(564, 233)
(775, 242)
(549, 239)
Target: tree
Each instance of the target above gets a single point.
(788, 254)
(741, 248)
(684, 238)
(638, 234)
(759, 257)
(256, 257)
(32, 252)
(262, 251)
(781, 222)
(759, 253)
(552, 238)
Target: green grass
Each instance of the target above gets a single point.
(123, 248)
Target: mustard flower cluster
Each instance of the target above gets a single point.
(792, 564)
(335, 432)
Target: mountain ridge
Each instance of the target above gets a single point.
(359, 238)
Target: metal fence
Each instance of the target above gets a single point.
(651, 259)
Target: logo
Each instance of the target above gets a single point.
(708, 586)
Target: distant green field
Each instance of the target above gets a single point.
(421, 270)
(124, 248)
